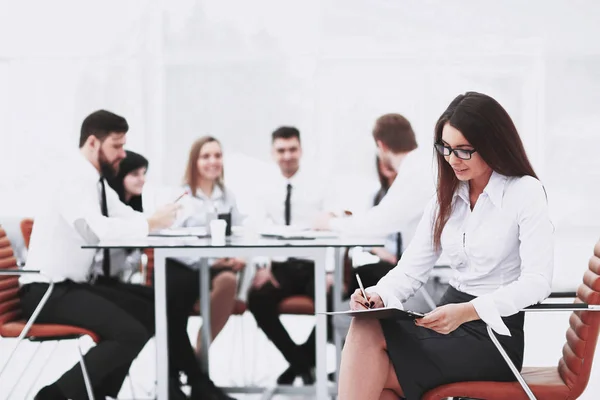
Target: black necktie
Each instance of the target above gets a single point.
(105, 252)
(288, 205)
(399, 245)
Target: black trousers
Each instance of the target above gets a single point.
(183, 289)
(122, 315)
(295, 277)
(369, 274)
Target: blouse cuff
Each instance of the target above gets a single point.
(388, 298)
(486, 309)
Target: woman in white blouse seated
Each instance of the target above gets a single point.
(182, 282)
(206, 198)
(491, 218)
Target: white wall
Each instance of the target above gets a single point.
(234, 69)
(178, 69)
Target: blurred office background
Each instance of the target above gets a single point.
(179, 69)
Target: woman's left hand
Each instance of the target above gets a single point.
(238, 264)
(446, 319)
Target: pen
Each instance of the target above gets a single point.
(180, 197)
(362, 290)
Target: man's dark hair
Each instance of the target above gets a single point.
(395, 132)
(285, 132)
(100, 124)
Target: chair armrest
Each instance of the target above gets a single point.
(19, 271)
(560, 295)
(562, 307)
(510, 364)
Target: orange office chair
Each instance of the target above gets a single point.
(13, 326)
(566, 381)
(26, 228)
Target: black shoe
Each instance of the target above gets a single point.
(308, 377)
(287, 377)
(175, 392)
(50, 392)
(205, 389)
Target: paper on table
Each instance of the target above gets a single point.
(380, 313)
(199, 231)
(294, 233)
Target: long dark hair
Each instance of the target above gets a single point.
(490, 130)
(130, 163)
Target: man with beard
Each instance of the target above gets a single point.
(81, 209)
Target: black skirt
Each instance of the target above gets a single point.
(424, 359)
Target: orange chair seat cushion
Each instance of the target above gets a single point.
(545, 383)
(303, 305)
(47, 331)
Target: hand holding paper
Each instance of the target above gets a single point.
(447, 318)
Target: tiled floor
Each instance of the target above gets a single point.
(242, 355)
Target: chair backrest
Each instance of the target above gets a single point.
(576, 363)
(149, 267)
(26, 228)
(10, 305)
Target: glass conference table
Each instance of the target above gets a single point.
(244, 246)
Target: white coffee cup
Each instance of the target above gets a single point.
(217, 232)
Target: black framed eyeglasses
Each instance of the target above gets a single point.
(463, 154)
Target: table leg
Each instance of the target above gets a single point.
(205, 311)
(162, 351)
(321, 336)
(338, 286)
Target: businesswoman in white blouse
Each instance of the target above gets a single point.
(490, 216)
(206, 197)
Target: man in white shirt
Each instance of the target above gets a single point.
(400, 210)
(294, 198)
(82, 209)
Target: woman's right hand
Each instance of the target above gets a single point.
(358, 302)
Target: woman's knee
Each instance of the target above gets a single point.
(387, 394)
(225, 282)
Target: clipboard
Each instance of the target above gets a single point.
(380, 313)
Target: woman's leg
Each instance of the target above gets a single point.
(222, 300)
(388, 395)
(392, 389)
(365, 368)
